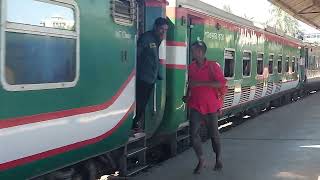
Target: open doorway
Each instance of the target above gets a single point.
(195, 33)
(140, 17)
(150, 111)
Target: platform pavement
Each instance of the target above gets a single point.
(283, 143)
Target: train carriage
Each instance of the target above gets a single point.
(68, 80)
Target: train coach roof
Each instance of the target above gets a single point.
(199, 6)
(205, 8)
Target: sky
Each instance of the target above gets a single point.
(258, 9)
(29, 12)
(33, 12)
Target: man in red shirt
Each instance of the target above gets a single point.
(204, 99)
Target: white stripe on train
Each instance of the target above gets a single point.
(31, 139)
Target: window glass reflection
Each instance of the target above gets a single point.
(37, 13)
(36, 59)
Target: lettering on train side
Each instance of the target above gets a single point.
(123, 34)
(214, 36)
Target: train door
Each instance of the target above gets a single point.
(189, 55)
(194, 33)
(304, 64)
(140, 25)
(140, 17)
(148, 12)
(190, 26)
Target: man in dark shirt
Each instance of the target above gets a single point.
(148, 65)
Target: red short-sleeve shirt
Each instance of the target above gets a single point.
(202, 98)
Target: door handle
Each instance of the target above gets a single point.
(124, 56)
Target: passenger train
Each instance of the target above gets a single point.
(68, 81)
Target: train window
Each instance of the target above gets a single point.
(246, 64)
(280, 64)
(287, 64)
(123, 12)
(293, 64)
(229, 59)
(260, 64)
(270, 67)
(46, 36)
(38, 60)
(41, 14)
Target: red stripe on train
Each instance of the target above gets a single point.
(6, 123)
(69, 147)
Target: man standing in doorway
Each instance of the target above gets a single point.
(148, 64)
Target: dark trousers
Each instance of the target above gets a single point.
(143, 92)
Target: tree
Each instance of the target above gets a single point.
(247, 17)
(227, 8)
(300, 34)
(281, 20)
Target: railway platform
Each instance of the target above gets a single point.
(281, 144)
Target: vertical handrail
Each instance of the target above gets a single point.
(155, 98)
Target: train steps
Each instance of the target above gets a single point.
(134, 159)
(181, 140)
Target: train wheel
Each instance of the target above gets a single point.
(269, 107)
(301, 93)
(285, 100)
(254, 112)
(173, 146)
(276, 103)
(87, 172)
(295, 96)
(237, 119)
